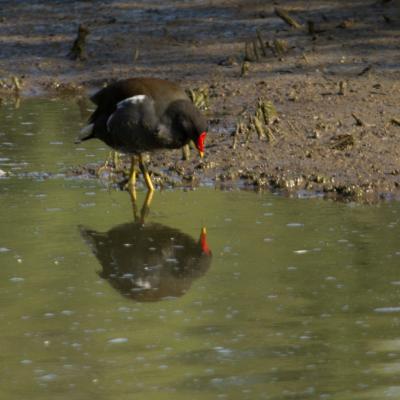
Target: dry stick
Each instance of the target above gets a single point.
(280, 47)
(270, 133)
(311, 27)
(255, 50)
(342, 88)
(249, 129)
(365, 70)
(136, 54)
(234, 141)
(287, 18)
(261, 42)
(247, 53)
(268, 111)
(17, 84)
(343, 141)
(291, 126)
(387, 19)
(245, 68)
(260, 113)
(359, 121)
(242, 128)
(235, 135)
(78, 51)
(259, 127)
(395, 121)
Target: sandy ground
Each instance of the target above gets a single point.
(334, 82)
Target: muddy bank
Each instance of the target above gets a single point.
(332, 77)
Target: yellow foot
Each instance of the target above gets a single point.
(113, 159)
(102, 169)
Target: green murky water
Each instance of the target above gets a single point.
(300, 299)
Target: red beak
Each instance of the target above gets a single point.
(203, 242)
(200, 143)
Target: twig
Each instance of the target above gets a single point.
(311, 27)
(245, 68)
(342, 88)
(236, 134)
(78, 51)
(249, 128)
(395, 121)
(365, 70)
(136, 54)
(287, 18)
(247, 52)
(255, 50)
(280, 47)
(292, 126)
(17, 84)
(359, 121)
(262, 44)
(259, 127)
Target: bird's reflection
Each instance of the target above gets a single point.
(149, 262)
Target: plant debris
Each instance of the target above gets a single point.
(244, 70)
(296, 69)
(284, 15)
(395, 121)
(280, 47)
(78, 49)
(342, 141)
(199, 97)
(359, 121)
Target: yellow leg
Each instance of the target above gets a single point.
(112, 158)
(105, 165)
(148, 199)
(132, 173)
(132, 193)
(146, 174)
(117, 160)
(145, 207)
(186, 152)
(131, 185)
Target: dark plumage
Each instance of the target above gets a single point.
(144, 114)
(149, 262)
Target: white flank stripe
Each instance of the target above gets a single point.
(133, 100)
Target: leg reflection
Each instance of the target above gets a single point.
(144, 211)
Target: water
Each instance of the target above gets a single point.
(300, 299)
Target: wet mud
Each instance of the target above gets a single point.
(328, 71)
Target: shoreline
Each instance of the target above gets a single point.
(334, 89)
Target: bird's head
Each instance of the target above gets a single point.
(190, 123)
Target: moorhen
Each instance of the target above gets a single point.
(149, 262)
(140, 115)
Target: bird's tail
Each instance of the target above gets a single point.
(86, 133)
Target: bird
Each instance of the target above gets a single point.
(149, 262)
(139, 115)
